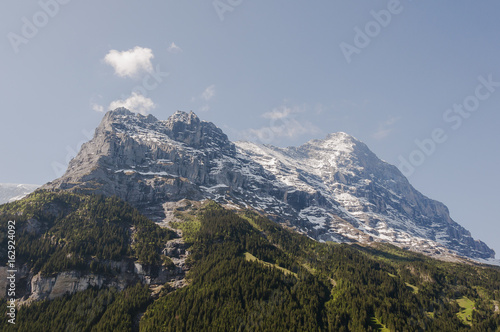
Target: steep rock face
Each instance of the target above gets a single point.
(143, 160)
(70, 282)
(63, 283)
(146, 162)
(334, 189)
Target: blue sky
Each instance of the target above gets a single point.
(278, 72)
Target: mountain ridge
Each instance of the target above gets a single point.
(333, 189)
(10, 192)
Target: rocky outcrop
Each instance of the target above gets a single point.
(63, 283)
(31, 287)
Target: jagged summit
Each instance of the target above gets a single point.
(335, 149)
(333, 189)
(181, 116)
(341, 138)
(143, 160)
(122, 111)
(337, 143)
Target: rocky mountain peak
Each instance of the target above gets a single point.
(182, 127)
(333, 189)
(144, 160)
(119, 111)
(340, 137)
(118, 119)
(336, 142)
(189, 129)
(338, 152)
(188, 118)
(338, 182)
(122, 112)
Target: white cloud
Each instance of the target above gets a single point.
(385, 128)
(283, 124)
(290, 129)
(96, 103)
(382, 133)
(97, 107)
(204, 98)
(135, 103)
(320, 108)
(209, 93)
(279, 113)
(130, 63)
(173, 48)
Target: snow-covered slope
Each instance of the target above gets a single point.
(370, 194)
(12, 192)
(334, 189)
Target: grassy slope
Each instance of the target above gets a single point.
(466, 308)
(251, 258)
(378, 326)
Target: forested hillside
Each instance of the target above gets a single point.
(64, 231)
(247, 273)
